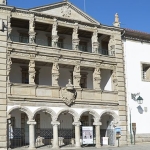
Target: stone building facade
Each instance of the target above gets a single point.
(60, 70)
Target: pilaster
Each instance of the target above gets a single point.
(55, 36)
(32, 32)
(75, 38)
(55, 74)
(3, 81)
(97, 78)
(32, 71)
(76, 76)
(9, 28)
(122, 107)
(111, 46)
(95, 43)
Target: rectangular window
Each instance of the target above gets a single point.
(146, 72)
(83, 46)
(24, 38)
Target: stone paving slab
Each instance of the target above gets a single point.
(130, 147)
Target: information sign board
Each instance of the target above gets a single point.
(87, 134)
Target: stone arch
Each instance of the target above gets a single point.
(22, 109)
(111, 113)
(47, 110)
(93, 113)
(70, 111)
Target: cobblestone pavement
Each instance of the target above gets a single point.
(130, 147)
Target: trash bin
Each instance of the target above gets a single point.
(105, 140)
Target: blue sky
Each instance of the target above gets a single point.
(133, 14)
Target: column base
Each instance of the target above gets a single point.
(98, 146)
(32, 148)
(57, 147)
(78, 147)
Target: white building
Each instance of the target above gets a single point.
(137, 70)
(41, 49)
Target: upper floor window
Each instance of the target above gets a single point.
(61, 43)
(83, 81)
(24, 38)
(83, 46)
(49, 41)
(25, 75)
(146, 72)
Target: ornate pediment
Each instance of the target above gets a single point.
(65, 10)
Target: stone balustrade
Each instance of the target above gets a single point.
(53, 94)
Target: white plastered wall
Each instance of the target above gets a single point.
(135, 53)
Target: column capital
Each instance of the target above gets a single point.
(55, 123)
(78, 123)
(31, 122)
(97, 123)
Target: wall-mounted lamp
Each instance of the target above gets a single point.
(139, 100)
(137, 97)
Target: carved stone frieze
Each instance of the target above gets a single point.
(20, 54)
(69, 94)
(66, 11)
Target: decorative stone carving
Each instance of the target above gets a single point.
(75, 38)
(69, 94)
(115, 81)
(9, 63)
(32, 72)
(95, 43)
(76, 76)
(97, 78)
(54, 34)
(32, 31)
(116, 23)
(66, 11)
(111, 46)
(55, 74)
(9, 27)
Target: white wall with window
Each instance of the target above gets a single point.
(137, 60)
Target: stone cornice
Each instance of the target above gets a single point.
(27, 14)
(74, 57)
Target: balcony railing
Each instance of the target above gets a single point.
(55, 93)
(62, 45)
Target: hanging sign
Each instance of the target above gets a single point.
(87, 134)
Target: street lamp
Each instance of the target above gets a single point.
(139, 100)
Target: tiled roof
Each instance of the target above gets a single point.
(137, 34)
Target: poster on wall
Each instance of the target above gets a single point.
(87, 134)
